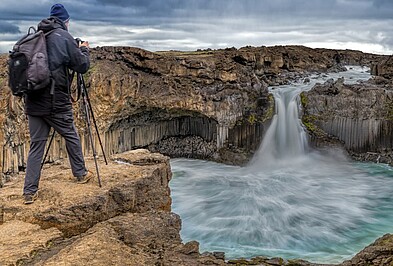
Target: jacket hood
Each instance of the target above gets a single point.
(51, 23)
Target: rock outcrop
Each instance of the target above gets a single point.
(359, 116)
(383, 68)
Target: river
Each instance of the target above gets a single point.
(290, 201)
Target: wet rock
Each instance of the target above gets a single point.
(337, 68)
(276, 261)
(219, 255)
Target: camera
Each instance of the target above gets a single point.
(78, 40)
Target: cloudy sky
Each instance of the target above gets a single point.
(157, 25)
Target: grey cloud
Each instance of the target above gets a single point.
(6, 27)
(383, 3)
(22, 10)
(202, 23)
(151, 12)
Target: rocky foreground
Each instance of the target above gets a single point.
(126, 222)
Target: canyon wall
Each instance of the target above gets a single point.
(209, 104)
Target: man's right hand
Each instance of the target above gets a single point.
(86, 44)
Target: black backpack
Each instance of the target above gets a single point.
(28, 63)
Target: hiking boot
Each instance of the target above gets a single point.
(30, 198)
(84, 178)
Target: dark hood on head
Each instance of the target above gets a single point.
(51, 23)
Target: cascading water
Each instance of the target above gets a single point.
(291, 201)
(286, 136)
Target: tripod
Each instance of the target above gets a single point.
(89, 115)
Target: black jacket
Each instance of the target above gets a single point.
(63, 54)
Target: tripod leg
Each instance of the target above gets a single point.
(95, 123)
(98, 135)
(47, 149)
(87, 113)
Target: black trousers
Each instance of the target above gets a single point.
(39, 127)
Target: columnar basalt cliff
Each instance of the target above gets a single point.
(206, 104)
(359, 116)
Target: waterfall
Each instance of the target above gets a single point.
(286, 141)
(286, 136)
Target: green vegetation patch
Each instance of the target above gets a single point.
(270, 111)
(252, 119)
(303, 99)
(309, 121)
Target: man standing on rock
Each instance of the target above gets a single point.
(52, 107)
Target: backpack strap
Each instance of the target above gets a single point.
(52, 91)
(31, 29)
(52, 80)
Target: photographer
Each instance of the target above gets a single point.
(52, 106)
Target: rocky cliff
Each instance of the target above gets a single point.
(210, 104)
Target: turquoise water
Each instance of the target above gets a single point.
(290, 201)
(317, 208)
